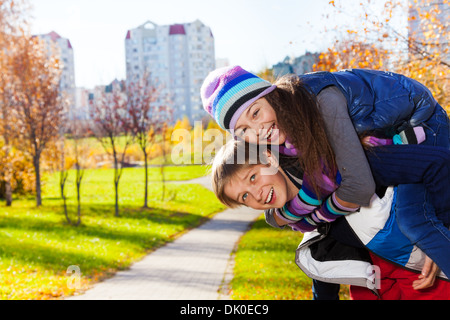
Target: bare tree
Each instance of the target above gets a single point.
(110, 124)
(63, 175)
(148, 114)
(79, 131)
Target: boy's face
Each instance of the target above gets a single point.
(258, 124)
(256, 188)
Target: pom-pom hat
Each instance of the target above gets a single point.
(227, 92)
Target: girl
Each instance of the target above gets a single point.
(322, 114)
(234, 178)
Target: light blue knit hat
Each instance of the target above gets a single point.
(228, 91)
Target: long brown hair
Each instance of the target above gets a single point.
(299, 117)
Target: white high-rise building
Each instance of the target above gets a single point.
(178, 58)
(67, 81)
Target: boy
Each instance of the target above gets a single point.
(253, 182)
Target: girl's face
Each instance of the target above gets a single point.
(258, 124)
(258, 188)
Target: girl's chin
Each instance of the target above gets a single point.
(281, 137)
(281, 140)
(277, 140)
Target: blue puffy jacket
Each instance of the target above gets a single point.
(377, 100)
(382, 102)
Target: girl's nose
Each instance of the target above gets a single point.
(259, 128)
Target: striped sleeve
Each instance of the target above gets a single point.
(331, 210)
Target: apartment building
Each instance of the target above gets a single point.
(177, 57)
(64, 49)
(295, 65)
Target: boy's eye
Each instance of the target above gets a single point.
(244, 197)
(252, 178)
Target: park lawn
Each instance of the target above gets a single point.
(265, 267)
(37, 245)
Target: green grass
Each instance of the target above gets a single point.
(37, 245)
(265, 266)
(97, 184)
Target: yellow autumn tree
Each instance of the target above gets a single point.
(37, 103)
(428, 54)
(266, 74)
(409, 37)
(15, 166)
(347, 53)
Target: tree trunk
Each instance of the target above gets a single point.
(116, 188)
(8, 193)
(78, 200)
(6, 130)
(79, 177)
(146, 181)
(8, 189)
(163, 164)
(62, 183)
(116, 184)
(36, 164)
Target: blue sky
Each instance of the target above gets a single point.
(251, 33)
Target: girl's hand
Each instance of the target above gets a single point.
(347, 204)
(428, 276)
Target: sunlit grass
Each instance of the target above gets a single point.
(37, 245)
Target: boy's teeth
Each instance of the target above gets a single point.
(269, 197)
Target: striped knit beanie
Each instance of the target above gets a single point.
(228, 91)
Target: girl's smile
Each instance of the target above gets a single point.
(258, 124)
(272, 134)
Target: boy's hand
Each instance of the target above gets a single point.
(428, 276)
(279, 218)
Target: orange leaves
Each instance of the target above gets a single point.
(428, 58)
(31, 92)
(378, 41)
(351, 54)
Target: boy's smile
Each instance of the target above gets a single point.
(254, 188)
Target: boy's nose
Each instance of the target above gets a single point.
(258, 194)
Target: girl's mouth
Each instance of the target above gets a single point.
(269, 132)
(270, 197)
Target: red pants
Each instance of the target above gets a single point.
(396, 284)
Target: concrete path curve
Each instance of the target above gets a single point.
(196, 266)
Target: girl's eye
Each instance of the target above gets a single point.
(255, 113)
(244, 197)
(252, 178)
(241, 132)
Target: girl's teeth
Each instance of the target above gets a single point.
(269, 133)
